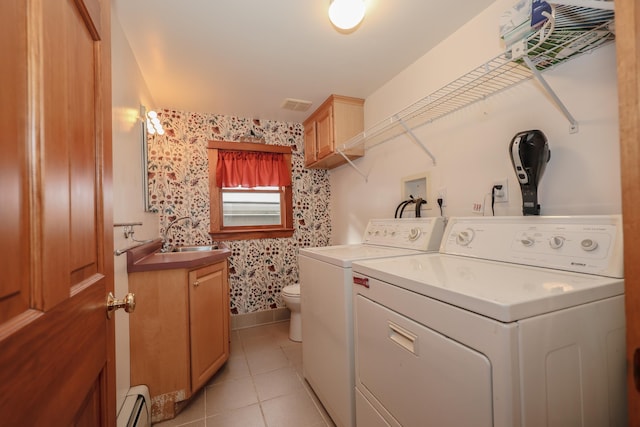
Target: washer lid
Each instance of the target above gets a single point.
(344, 255)
(385, 238)
(502, 291)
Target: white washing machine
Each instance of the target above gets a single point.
(518, 321)
(326, 299)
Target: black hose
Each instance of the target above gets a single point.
(407, 202)
(404, 202)
(403, 205)
(419, 203)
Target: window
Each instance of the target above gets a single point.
(250, 186)
(245, 207)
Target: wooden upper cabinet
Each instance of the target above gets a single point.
(310, 143)
(325, 138)
(337, 120)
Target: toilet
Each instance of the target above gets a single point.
(291, 297)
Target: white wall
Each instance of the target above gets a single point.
(471, 146)
(129, 92)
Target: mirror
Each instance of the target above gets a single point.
(145, 168)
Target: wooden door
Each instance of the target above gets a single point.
(628, 49)
(56, 344)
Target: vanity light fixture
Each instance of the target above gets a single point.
(153, 123)
(346, 14)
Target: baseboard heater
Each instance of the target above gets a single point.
(136, 409)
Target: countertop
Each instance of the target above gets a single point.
(147, 257)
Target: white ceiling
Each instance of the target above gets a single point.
(244, 57)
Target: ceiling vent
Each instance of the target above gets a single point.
(296, 104)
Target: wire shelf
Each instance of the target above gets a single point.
(577, 30)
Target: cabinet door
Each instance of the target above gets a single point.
(159, 337)
(310, 143)
(209, 321)
(324, 133)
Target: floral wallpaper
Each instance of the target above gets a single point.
(178, 187)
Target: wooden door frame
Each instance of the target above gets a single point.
(628, 59)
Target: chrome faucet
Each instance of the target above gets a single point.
(166, 247)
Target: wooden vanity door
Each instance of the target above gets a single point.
(56, 255)
(209, 321)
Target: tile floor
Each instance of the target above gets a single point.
(261, 385)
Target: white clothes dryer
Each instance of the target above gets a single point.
(326, 299)
(518, 321)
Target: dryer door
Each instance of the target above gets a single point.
(417, 375)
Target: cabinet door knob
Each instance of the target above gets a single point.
(196, 283)
(128, 303)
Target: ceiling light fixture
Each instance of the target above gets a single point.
(346, 14)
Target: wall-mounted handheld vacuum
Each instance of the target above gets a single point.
(529, 155)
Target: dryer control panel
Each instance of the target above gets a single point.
(585, 244)
(423, 234)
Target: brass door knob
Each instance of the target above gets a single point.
(128, 303)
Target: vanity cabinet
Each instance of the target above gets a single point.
(179, 332)
(337, 120)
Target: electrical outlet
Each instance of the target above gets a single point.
(476, 208)
(502, 195)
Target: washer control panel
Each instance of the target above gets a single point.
(586, 244)
(423, 234)
(566, 241)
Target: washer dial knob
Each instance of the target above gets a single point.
(465, 237)
(414, 233)
(556, 242)
(588, 245)
(527, 241)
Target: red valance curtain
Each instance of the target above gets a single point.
(249, 169)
